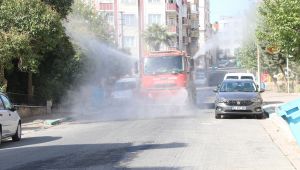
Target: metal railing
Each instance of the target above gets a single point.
(25, 99)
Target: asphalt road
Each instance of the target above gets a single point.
(138, 139)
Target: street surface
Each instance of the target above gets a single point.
(191, 139)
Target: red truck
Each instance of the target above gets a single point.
(166, 74)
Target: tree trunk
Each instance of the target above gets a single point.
(282, 71)
(156, 47)
(3, 81)
(29, 87)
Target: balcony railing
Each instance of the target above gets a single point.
(172, 28)
(171, 7)
(194, 33)
(105, 6)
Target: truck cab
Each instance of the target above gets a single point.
(165, 74)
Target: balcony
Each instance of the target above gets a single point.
(172, 28)
(171, 7)
(104, 6)
(195, 33)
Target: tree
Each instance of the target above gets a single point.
(247, 57)
(94, 39)
(155, 35)
(280, 26)
(86, 19)
(28, 29)
(63, 7)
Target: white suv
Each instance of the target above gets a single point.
(10, 121)
(239, 76)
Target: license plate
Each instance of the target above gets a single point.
(238, 108)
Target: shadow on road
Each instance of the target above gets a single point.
(266, 115)
(27, 141)
(238, 117)
(81, 156)
(272, 102)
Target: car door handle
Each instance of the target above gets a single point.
(9, 114)
(1, 114)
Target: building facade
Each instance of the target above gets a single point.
(181, 17)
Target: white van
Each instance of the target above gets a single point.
(248, 76)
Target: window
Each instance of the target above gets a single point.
(171, 21)
(128, 1)
(247, 77)
(153, 1)
(6, 102)
(238, 87)
(154, 19)
(129, 19)
(128, 41)
(232, 77)
(109, 16)
(164, 65)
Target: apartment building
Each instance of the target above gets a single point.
(179, 16)
(193, 14)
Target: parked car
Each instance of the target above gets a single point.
(10, 121)
(200, 78)
(124, 89)
(238, 97)
(223, 63)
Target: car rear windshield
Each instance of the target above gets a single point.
(247, 77)
(238, 87)
(232, 77)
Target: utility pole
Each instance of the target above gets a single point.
(122, 29)
(140, 31)
(258, 66)
(140, 28)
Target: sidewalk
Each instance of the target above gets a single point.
(276, 98)
(36, 123)
(278, 129)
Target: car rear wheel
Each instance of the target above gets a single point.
(217, 116)
(18, 134)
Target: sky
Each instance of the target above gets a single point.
(219, 8)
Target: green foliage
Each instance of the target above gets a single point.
(57, 72)
(31, 33)
(280, 26)
(63, 7)
(247, 55)
(28, 30)
(155, 35)
(86, 19)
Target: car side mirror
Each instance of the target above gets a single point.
(13, 108)
(215, 90)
